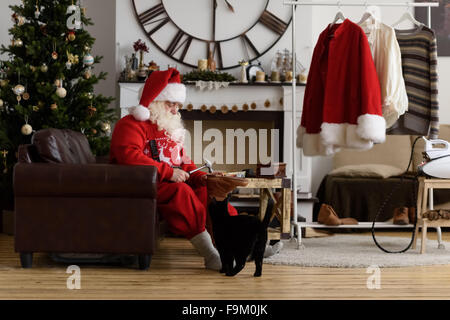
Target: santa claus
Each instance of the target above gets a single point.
(153, 134)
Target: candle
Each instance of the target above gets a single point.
(260, 76)
(275, 76)
(202, 64)
(302, 78)
(288, 76)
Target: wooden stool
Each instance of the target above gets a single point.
(424, 203)
(282, 208)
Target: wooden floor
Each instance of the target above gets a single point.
(177, 273)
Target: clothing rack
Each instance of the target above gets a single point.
(295, 225)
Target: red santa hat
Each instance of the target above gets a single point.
(160, 86)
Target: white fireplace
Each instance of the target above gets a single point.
(252, 101)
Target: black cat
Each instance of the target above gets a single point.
(238, 237)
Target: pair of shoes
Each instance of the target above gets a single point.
(404, 216)
(436, 214)
(328, 216)
(220, 186)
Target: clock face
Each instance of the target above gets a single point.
(232, 30)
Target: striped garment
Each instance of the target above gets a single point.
(419, 63)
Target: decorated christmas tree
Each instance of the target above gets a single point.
(48, 82)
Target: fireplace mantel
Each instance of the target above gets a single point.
(257, 97)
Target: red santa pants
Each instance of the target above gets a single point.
(184, 207)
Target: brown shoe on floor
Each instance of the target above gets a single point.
(328, 217)
(220, 186)
(401, 216)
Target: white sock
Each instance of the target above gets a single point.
(272, 250)
(204, 246)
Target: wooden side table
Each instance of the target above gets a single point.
(424, 203)
(282, 207)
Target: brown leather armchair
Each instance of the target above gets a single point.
(67, 202)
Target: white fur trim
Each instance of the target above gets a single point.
(312, 144)
(173, 92)
(343, 135)
(140, 113)
(354, 141)
(372, 127)
(333, 133)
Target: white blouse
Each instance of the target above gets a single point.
(388, 62)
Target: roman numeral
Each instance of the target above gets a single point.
(147, 16)
(219, 55)
(176, 44)
(246, 41)
(152, 15)
(272, 22)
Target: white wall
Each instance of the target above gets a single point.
(104, 31)
(6, 22)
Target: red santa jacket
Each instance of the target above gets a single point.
(130, 145)
(342, 102)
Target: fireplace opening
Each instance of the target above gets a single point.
(234, 141)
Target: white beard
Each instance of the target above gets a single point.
(165, 120)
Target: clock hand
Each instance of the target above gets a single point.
(214, 19)
(229, 6)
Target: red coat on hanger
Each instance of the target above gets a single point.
(342, 103)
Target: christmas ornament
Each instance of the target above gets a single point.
(19, 90)
(37, 13)
(17, 43)
(19, 20)
(71, 36)
(26, 129)
(44, 68)
(54, 106)
(68, 65)
(26, 96)
(3, 83)
(54, 53)
(61, 92)
(4, 154)
(91, 111)
(88, 60)
(1, 104)
(94, 131)
(88, 74)
(35, 108)
(106, 127)
(57, 83)
(89, 95)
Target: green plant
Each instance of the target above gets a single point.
(207, 75)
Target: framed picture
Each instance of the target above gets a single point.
(440, 23)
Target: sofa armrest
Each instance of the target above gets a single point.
(85, 180)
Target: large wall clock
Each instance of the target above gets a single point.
(233, 30)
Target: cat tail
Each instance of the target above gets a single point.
(268, 214)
